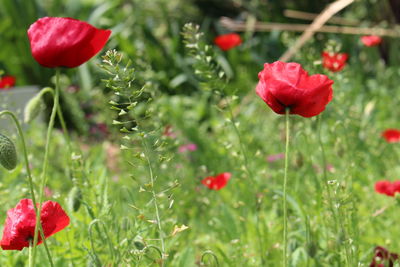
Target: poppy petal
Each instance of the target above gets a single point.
(20, 223)
(287, 85)
(65, 42)
(228, 41)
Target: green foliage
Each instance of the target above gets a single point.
(135, 200)
(210, 73)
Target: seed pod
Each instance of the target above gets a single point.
(8, 154)
(33, 108)
(75, 198)
(139, 245)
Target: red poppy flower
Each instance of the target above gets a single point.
(371, 40)
(334, 61)
(20, 223)
(6, 82)
(391, 135)
(286, 85)
(218, 182)
(65, 42)
(382, 257)
(387, 188)
(228, 41)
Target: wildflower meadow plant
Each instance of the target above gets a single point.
(175, 161)
(391, 135)
(218, 182)
(55, 43)
(334, 61)
(387, 188)
(288, 89)
(371, 40)
(228, 41)
(7, 82)
(20, 224)
(65, 42)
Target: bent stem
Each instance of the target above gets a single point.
(285, 231)
(31, 185)
(46, 161)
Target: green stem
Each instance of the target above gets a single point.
(242, 149)
(324, 171)
(285, 230)
(146, 152)
(30, 254)
(60, 117)
(338, 222)
(30, 182)
(250, 175)
(46, 160)
(28, 170)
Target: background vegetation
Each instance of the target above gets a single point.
(240, 225)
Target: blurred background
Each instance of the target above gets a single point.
(150, 31)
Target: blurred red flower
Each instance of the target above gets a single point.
(391, 135)
(371, 40)
(65, 42)
(21, 220)
(387, 188)
(382, 257)
(218, 182)
(169, 132)
(228, 41)
(7, 82)
(287, 85)
(334, 61)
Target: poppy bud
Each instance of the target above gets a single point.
(33, 108)
(75, 198)
(8, 154)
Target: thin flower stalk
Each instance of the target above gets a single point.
(46, 158)
(285, 230)
(31, 185)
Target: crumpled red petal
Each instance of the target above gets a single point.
(6, 82)
(334, 61)
(20, 223)
(391, 135)
(287, 85)
(371, 40)
(218, 182)
(228, 41)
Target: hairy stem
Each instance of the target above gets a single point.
(161, 234)
(285, 230)
(31, 185)
(250, 175)
(46, 159)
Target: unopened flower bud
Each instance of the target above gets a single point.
(8, 154)
(33, 108)
(75, 198)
